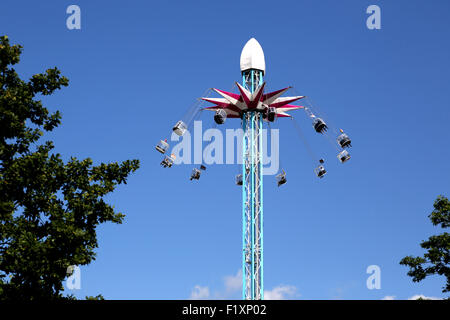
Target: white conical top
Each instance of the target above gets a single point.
(252, 56)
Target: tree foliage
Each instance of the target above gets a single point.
(98, 297)
(436, 261)
(49, 209)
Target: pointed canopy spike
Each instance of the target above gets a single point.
(271, 96)
(279, 102)
(218, 101)
(213, 108)
(256, 96)
(283, 115)
(245, 94)
(288, 108)
(231, 97)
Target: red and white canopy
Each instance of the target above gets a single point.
(234, 103)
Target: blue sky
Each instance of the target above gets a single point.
(136, 67)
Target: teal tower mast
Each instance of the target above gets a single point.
(253, 106)
(252, 68)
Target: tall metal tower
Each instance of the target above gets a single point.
(252, 197)
(253, 107)
(252, 68)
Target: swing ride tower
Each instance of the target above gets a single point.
(253, 107)
(252, 68)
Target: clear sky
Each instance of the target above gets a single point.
(135, 68)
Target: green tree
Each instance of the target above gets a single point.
(49, 209)
(98, 297)
(436, 261)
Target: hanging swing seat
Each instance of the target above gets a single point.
(319, 125)
(179, 128)
(344, 141)
(281, 178)
(162, 146)
(195, 174)
(343, 156)
(271, 113)
(239, 179)
(320, 171)
(220, 116)
(168, 161)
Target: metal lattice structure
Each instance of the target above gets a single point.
(252, 193)
(254, 107)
